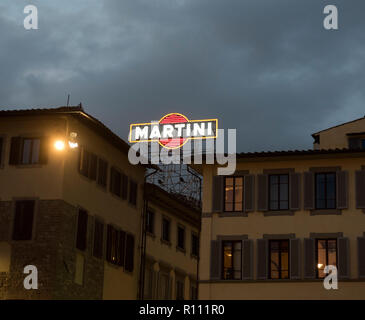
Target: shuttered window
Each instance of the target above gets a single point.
(326, 254)
(23, 220)
(81, 236)
(115, 181)
(279, 259)
(116, 246)
(98, 239)
(133, 193)
(129, 253)
(102, 172)
(88, 164)
(165, 229)
(325, 190)
(232, 260)
(233, 200)
(150, 222)
(194, 244)
(26, 151)
(181, 237)
(121, 248)
(279, 192)
(124, 192)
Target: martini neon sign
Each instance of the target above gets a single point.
(173, 130)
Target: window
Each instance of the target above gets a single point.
(279, 259)
(279, 192)
(115, 181)
(28, 151)
(179, 289)
(102, 172)
(115, 246)
(23, 220)
(88, 164)
(326, 190)
(150, 221)
(98, 239)
(233, 194)
(133, 193)
(326, 255)
(166, 229)
(129, 253)
(194, 244)
(181, 237)
(232, 262)
(81, 236)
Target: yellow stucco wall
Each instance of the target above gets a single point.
(351, 223)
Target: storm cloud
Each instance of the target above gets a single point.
(265, 67)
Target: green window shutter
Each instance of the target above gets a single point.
(294, 191)
(262, 259)
(360, 189)
(295, 259)
(342, 189)
(309, 259)
(262, 199)
(247, 259)
(361, 256)
(343, 258)
(15, 150)
(308, 190)
(218, 194)
(249, 193)
(215, 260)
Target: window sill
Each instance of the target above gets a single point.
(193, 256)
(152, 235)
(180, 249)
(168, 243)
(29, 166)
(233, 214)
(317, 212)
(271, 213)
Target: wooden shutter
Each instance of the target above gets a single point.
(98, 239)
(295, 259)
(342, 189)
(262, 201)
(294, 193)
(81, 236)
(309, 258)
(109, 243)
(124, 192)
(262, 259)
(360, 189)
(218, 194)
(84, 162)
(102, 172)
(308, 190)
(121, 248)
(215, 260)
(129, 253)
(93, 166)
(354, 143)
(249, 192)
(343, 258)
(247, 259)
(15, 150)
(361, 256)
(23, 220)
(44, 150)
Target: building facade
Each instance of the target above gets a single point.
(270, 230)
(172, 247)
(71, 205)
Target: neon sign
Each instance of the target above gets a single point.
(173, 130)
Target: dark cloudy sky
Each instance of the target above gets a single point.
(265, 67)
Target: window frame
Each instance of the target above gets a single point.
(269, 276)
(278, 175)
(180, 227)
(316, 174)
(316, 253)
(21, 162)
(152, 232)
(232, 251)
(194, 234)
(164, 218)
(234, 193)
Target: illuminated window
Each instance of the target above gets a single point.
(326, 255)
(233, 194)
(279, 192)
(232, 261)
(279, 259)
(326, 190)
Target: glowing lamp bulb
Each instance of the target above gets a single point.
(59, 145)
(319, 265)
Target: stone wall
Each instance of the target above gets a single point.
(52, 250)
